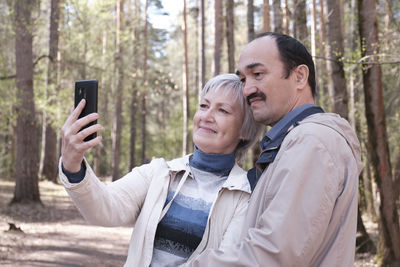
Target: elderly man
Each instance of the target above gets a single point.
(303, 210)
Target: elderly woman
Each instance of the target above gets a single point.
(180, 207)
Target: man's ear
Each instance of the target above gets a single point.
(301, 73)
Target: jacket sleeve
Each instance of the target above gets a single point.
(299, 196)
(115, 204)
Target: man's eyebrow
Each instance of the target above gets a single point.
(253, 65)
(250, 66)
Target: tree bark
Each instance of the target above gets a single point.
(218, 36)
(397, 178)
(185, 87)
(250, 19)
(134, 96)
(203, 48)
(277, 16)
(335, 52)
(119, 63)
(144, 85)
(313, 28)
(49, 169)
(27, 159)
(266, 16)
(230, 34)
(286, 17)
(322, 77)
(300, 21)
(375, 113)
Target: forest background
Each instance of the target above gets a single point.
(151, 64)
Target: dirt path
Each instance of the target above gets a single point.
(55, 234)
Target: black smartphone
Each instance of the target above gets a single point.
(87, 90)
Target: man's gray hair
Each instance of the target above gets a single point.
(251, 130)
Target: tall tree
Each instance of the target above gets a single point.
(101, 163)
(313, 28)
(49, 140)
(389, 249)
(134, 95)
(185, 86)
(286, 17)
(144, 84)
(277, 12)
(250, 19)
(230, 34)
(322, 78)
(335, 53)
(119, 65)
(26, 170)
(202, 47)
(218, 36)
(266, 16)
(300, 21)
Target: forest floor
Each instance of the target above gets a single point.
(54, 234)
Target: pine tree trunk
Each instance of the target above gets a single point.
(116, 145)
(218, 36)
(134, 96)
(49, 169)
(230, 34)
(277, 18)
(286, 17)
(144, 85)
(335, 53)
(322, 77)
(397, 179)
(250, 19)
(374, 108)
(300, 21)
(203, 48)
(27, 159)
(185, 87)
(266, 16)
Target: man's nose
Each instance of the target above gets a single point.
(248, 88)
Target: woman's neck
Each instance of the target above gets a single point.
(219, 164)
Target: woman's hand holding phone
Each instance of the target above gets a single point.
(73, 145)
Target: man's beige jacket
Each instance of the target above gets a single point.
(303, 210)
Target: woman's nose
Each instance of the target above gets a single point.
(207, 115)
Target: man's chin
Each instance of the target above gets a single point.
(260, 116)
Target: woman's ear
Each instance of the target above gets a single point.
(301, 73)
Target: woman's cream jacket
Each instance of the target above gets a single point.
(137, 199)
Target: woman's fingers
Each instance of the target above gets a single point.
(75, 113)
(88, 131)
(79, 124)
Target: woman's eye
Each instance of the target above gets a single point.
(203, 106)
(223, 111)
(257, 74)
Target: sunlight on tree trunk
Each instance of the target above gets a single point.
(375, 113)
(27, 160)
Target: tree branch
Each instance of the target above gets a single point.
(13, 76)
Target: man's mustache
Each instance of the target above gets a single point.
(257, 94)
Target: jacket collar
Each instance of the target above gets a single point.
(237, 179)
